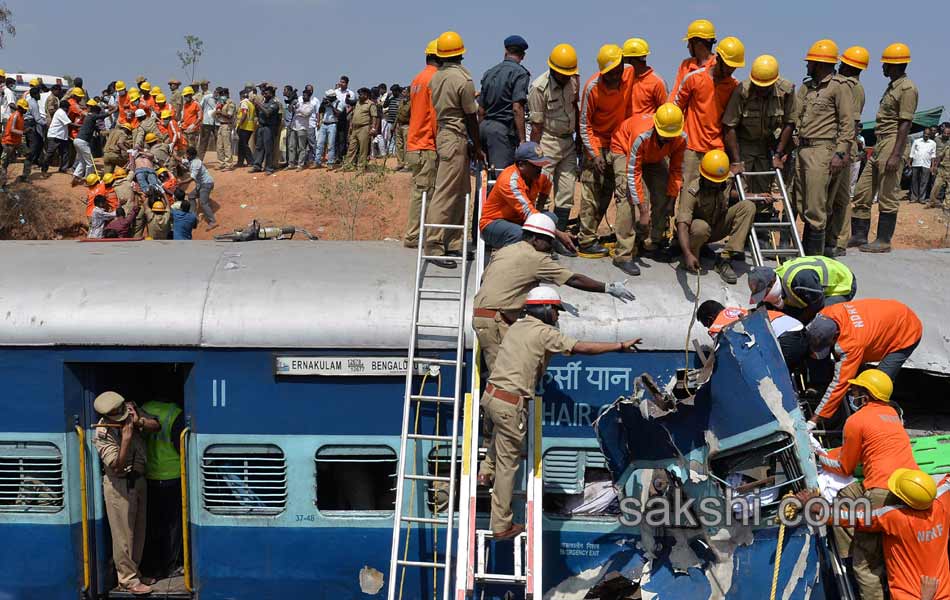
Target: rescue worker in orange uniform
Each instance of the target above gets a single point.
(94, 187)
(421, 157)
(124, 114)
(75, 111)
(788, 330)
(12, 139)
(874, 436)
(604, 106)
(190, 117)
(647, 90)
(860, 331)
(640, 149)
(700, 39)
(703, 96)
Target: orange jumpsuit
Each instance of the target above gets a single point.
(602, 111)
(91, 192)
(510, 199)
(647, 93)
(124, 112)
(191, 117)
(703, 100)
(76, 114)
(687, 66)
(870, 329)
(635, 140)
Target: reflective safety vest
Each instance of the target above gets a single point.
(781, 323)
(836, 278)
(162, 461)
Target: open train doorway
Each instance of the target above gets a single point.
(134, 477)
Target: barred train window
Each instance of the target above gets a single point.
(356, 478)
(578, 484)
(31, 477)
(248, 480)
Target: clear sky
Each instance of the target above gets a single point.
(315, 41)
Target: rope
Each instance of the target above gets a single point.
(689, 331)
(789, 513)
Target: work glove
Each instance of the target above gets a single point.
(618, 289)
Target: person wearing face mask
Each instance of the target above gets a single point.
(704, 215)
(224, 113)
(803, 286)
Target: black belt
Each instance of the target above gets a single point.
(812, 142)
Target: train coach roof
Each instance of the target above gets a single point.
(354, 295)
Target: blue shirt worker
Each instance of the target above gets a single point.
(502, 102)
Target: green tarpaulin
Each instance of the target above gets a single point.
(924, 118)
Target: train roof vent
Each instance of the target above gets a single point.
(31, 477)
(244, 479)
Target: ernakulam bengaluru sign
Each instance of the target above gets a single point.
(342, 366)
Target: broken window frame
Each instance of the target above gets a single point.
(372, 453)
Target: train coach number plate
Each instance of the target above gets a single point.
(336, 366)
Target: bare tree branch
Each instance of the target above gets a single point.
(6, 24)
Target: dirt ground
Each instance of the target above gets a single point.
(330, 205)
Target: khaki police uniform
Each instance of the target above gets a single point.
(524, 355)
(362, 118)
(554, 107)
(402, 132)
(825, 126)
(710, 219)
(839, 223)
(512, 272)
(176, 101)
(453, 97)
(148, 125)
(224, 117)
(116, 151)
(124, 496)
(757, 119)
(424, 166)
(898, 104)
(943, 176)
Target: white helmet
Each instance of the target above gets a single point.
(543, 295)
(540, 223)
(139, 113)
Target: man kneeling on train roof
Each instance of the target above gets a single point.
(523, 357)
(788, 330)
(513, 271)
(513, 198)
(875, 437)
(803, 286)
(121, 448)
(861, 331)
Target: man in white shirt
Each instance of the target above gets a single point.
(209, 131)
(57, 140)
(347, 98)
(298, 135)
(922, 154)
(9, 100)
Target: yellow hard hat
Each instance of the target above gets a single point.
(609, 56)
(21, 103)
(126, 125)
(92, 179)
(856, 56)
(108, 178)
(876, 382)
(731, 51)
(145, 86)
(188, 91)
(134, 95)
(159, 98)
(150, 137)
(700, 28)
(161, 170)
(77, 91)
(119, 172)
(715, 166)
(636, 47)
(915, 488)
(167, 114)
(449, 44)
(896, 54)
(156, 90)
(668, 120)
(432, 48)
(119, 85)
(825, 51)
(764, 70)
(158, 206)
(563, 59)
(3, 73)
(34, 82)
(92, 102)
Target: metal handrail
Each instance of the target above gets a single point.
(186, 551)
(83, 490)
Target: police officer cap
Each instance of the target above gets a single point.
(516, 41)
(111, 405)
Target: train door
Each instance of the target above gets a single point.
(159, 559)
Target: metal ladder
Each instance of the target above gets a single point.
(786, 225)
(472, 560)
(428, 293)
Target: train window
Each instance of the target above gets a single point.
(578, 484)
(356, 478)
(248, 480)
(438, 464)
(31, 477)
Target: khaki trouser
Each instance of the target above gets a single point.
(627, 227)
(509, 422)
(424, 164)
(401, 132)
(490, 333)
(596, 191)
(357, 147)
(562, 172)
(844, 232)
(452, 183)
(754, 159)
(876, 180)
(943, 179)
(816, 185)
(840, 215)
(865, 548)
(736, 225)
(691, 160)
(223, 146)
(111, 161)
(125, 509)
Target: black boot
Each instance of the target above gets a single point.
(563, 215)
(859, 232)
(886, 224)
(814, 242)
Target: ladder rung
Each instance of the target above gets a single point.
(419, 563)
(757, 173)
(433, 361)
(449, 258)
(771, 225)
(780, 252)
(431, 438)
(435, 326)
(442, 226)
(426, 478)
(436, 399)
(438, 291)
(429, 520)
(499, 578)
